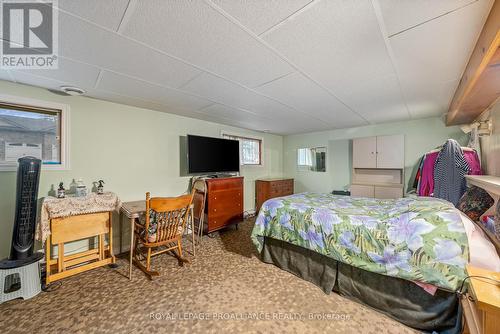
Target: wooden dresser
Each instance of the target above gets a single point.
(224, 202)
(270, 188)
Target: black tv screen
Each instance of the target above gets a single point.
(212, 155)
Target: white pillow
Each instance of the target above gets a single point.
(482, 252)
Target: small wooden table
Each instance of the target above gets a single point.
(134, 210)
(72, 228)
(483, 314)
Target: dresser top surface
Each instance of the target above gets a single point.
(272, 179)
(215, 179)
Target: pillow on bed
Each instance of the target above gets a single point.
(481, 250)
(475, 202)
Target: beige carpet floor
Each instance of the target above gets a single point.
(226, 289)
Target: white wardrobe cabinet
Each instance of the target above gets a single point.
(364, 152)
(378, 167)
(378, 152)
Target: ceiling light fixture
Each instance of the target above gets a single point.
(71, 90)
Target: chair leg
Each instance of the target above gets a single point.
(148, 260)
(181, 259)
(137, 255)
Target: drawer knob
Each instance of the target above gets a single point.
(215, 210)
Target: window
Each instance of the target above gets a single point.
(304, 157)
(29, 130)
(250, 149)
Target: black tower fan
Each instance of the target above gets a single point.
(23, 237)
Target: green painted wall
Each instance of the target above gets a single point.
(137, 150)
(134, 150)
(420, 136)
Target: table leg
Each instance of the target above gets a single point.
(48, 245)
(192, 231)
(110, 242)
(121, 233)
(132, 220)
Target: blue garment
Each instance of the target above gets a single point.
(449, 172)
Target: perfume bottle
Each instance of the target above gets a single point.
(100, 187)
(81, 189)
(61, 192)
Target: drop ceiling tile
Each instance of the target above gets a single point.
(338, 43)
(233, 95)
(87, 43)
(260, 15)
(429, 99)
(303, 94)
(197, 33)
(122, 85)
(379, 100)
(220, 90)
(222, 120)
(125, 99)
(438, 51)
(292, 122)
(107, 13)
(218, 110)
(71, 72)
(144, 104)
(403, 14)
(4, 75)
(37, 81)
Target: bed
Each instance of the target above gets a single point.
(404, 257)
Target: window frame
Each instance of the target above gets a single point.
(42, 105)
(242, 136)
(306, 158)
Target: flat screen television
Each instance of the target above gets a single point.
(212, 155)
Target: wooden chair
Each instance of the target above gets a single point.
(162, 229)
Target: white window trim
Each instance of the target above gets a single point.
(65, 130)
(249, 136)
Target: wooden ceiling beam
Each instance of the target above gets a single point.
(479, 87)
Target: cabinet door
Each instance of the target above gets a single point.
(391, 151)
(358, 190)
(364, 152)
(388, 192)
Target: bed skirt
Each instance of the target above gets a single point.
(399, 299)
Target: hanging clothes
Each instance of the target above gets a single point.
(418, 175)
(449, 172)
(474, 162)
(426, 187)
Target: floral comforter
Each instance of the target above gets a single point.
(419, 239)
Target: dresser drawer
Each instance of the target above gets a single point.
(225, 184)
(223, 219)
(229, 202)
